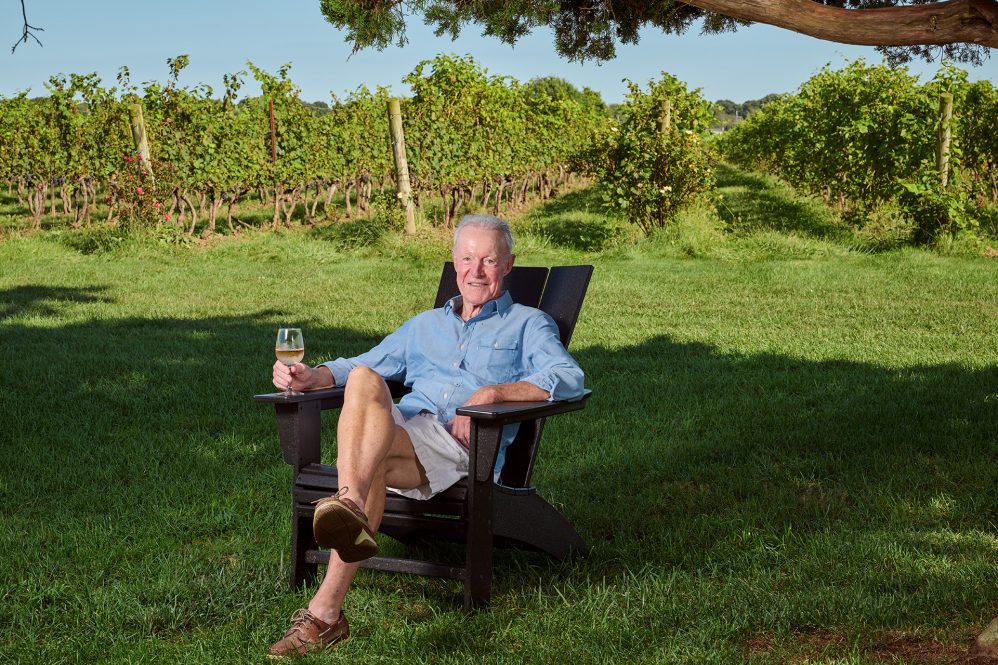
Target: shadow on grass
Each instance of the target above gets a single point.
(45, 300)
(99, 402)
(754, 202)
(145, 430)
(718, 439)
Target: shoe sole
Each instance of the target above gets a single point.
(336, 527)
(315, 650)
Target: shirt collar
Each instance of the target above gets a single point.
(495, 306)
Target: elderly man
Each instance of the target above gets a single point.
(479, 348)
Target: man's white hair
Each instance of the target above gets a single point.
(487, 222)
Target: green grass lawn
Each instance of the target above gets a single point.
(790, 454)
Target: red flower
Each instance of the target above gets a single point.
(166, 216)
(138, 190)
(155, 204)
(107, 198)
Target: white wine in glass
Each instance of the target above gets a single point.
(290, 349)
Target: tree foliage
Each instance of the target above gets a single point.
(557, 89)
(657, 160)
(466, 129)
(866, 135)
(473, 139)
(961, 30)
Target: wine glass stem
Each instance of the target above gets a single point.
(288, 392)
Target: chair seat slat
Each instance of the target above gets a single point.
(426, 568)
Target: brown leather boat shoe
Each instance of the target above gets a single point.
(339, 524)
(309, 633)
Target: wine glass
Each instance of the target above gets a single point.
(290, 349)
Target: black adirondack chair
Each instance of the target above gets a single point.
(476, 511)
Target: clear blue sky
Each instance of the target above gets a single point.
(221, 35)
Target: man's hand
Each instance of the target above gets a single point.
(301, 377)
(521, 391)
(460, 427)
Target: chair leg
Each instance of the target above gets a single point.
(478, 583)
(478, 546)
(484, 442)
(302, 540)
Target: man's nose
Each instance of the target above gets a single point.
(478, 268)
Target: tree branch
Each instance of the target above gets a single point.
(29, 30)
(935, 23)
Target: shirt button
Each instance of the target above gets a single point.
(445, 395)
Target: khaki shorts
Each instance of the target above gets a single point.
(444, 460)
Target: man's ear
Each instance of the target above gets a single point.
(509, 266)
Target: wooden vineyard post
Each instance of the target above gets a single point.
(273, 132)
(944, 136)
(665, 117)
(138, 126)
(401, 165)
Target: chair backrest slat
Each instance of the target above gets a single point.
(563, 295)
(447, 288)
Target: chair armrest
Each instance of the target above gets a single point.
(330, 398)
(514, 412)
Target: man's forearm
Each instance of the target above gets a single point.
(521, 391)
(320, 378)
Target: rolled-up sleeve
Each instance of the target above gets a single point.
(387, 358)
(550, 366)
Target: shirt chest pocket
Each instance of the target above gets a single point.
(496, 359)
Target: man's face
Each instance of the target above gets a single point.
(480, 262)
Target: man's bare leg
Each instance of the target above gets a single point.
(372, 453)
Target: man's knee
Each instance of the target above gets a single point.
(365, 383)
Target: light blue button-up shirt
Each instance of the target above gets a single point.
(445, 359)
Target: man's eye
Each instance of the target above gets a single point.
(490, 262)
